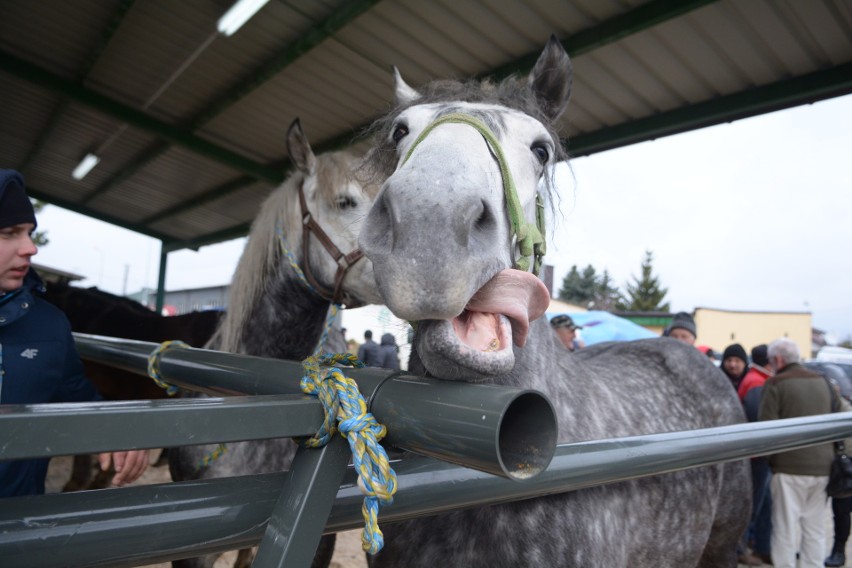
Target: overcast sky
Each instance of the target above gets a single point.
(753, 215)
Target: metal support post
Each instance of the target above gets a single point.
(298, 518)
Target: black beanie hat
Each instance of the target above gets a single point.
(15, 206)
(760, 355)
(683, 320)
(735, 350)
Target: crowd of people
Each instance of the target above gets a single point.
(787, 527)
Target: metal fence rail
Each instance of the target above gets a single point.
(145, 524)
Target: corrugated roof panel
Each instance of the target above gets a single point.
(174, 177)
(829, 28)
(151, 44)
(24, 113)
(724, 47)
(57, 35)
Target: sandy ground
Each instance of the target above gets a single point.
(347, 552)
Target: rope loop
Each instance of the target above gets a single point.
(346, 411)
(154, 365)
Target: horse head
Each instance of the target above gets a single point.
(456, 233)
(301, 254)
(333, 203)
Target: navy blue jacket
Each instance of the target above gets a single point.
(38, 364)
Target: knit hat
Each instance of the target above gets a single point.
(15, 206)
(683, 320)
(735, 350)
(760, 355)
(563, 320)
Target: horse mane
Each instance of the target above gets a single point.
(262, 254)
(512, 92)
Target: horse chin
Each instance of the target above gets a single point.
(473, 347)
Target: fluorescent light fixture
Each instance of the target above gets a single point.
(85, 166)
(238, 15)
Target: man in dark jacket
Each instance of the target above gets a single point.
(38, 360)
(799, 477)
(368, 353)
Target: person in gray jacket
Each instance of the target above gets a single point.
(799, 477)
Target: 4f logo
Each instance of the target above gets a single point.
(29, 353)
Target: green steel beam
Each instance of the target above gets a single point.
(43, 78)
(639, 19)
(129, 170)
(197, 201)
(784, 94)
(88, 212)
(235, 232)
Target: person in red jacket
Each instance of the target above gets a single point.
(757, 372)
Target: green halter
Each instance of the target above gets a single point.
(530, 238)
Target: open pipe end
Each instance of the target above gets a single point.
(527, 436)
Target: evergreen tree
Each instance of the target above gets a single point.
(645, 294)
(607, 295)
(579, 289)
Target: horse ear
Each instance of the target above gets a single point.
(551, 79)
(402, 92)
(299, 149)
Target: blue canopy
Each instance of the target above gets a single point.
(599, 326)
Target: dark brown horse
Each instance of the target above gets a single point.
(97, 312)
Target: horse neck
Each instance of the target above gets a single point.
(286, 321)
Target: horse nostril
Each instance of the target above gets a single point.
(485, 221)
(377, 233)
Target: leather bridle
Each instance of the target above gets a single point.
(344, 261)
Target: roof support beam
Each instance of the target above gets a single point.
(34, 74)
(639, 19)
(807, 89)
(35, 193)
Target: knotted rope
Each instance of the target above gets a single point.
(344, 405)
(529, 238)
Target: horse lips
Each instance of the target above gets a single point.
(518, 295)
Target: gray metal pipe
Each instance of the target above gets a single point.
(103, 528)
(44, 430)
(500, 430)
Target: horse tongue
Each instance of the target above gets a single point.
(518, 295)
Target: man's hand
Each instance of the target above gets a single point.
(128, 465)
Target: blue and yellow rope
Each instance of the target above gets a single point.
(344, 405)
(154, 365)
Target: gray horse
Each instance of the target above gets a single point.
(278, 303)
(453, 240)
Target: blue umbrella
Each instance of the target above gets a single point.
(599, 326)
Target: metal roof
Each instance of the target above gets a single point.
(190, 124)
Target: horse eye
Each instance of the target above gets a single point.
(541, 152)
(399, 132)
(346, 203)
